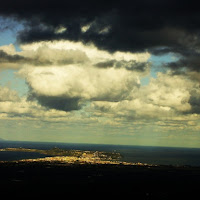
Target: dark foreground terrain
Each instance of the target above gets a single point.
(90, 180)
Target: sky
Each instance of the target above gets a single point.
(120, 72)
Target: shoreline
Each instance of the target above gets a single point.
(72, 157)
(60, 174)
(62, 156)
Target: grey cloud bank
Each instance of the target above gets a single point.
(128, 26)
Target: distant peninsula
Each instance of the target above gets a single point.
(57, 155)
(71, 156)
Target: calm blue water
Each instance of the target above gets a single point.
(150, 155)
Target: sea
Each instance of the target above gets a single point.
(174, 156)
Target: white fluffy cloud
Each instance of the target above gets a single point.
(12, 107)
(63, 74)
(93, 53)
(43, 55)
(61, 53)
(166, 97)
(170, 91)
(81, 82)
(8, 95)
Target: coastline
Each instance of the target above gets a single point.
(134, 154)
(80, 157)
(72, 171)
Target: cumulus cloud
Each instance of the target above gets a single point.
(12, 106)
(169, 90)
(93, 53)
(64, 53)
(111, 81)
(8, 95)
(66, 86)
(69, 76)
(65, 75)
(43, 56)
(166, 97)
(56, 94)
(52, 56)
(29, 110)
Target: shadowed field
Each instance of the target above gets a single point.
(147, 182)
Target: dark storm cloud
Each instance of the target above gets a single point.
(131, 65)
(195, 104)
(56, 102)
(7, 58)
(195, 101)
(190, 61)
(134, 25)
(106, 64)
(157, 26)
(4, 57)
(59, 103)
